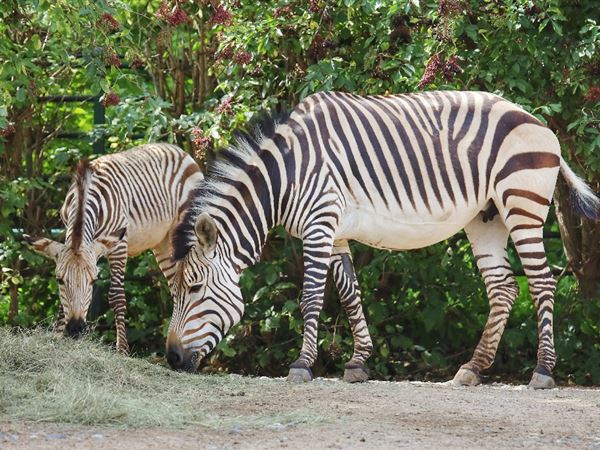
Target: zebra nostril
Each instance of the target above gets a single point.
(175, 357)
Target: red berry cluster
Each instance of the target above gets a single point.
(448, 8)
(283, 11)
(319, 46)
(378, 70)
(200, 142)
(173, 16)
(111, 58)
(533, 10)
(221, 16)
(7, 130)
(226, 107)
(315, 6)
(433, 65)
(437, 65)
(137, 63)
(109, 22)
(451, 68)
(226, 54)
(400, 33)
(593, 94)
(242, 57)
(110, 99)
(593, 69)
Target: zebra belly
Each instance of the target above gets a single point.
(140, 239)
(402, 231)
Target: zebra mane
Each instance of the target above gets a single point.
(221, 171)
(83, 173)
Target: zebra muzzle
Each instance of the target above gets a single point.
(180, 359)
(75, 328)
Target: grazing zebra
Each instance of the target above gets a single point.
(119, 205)
(396, 172)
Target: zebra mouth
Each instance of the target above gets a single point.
(192, 363)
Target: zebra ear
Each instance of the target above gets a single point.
(206, 232)
(43, 246)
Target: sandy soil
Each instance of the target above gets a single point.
(333, 414)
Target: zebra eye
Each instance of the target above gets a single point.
(60, 281)
(196, 288)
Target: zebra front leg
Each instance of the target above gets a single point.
(349, 291)
(117, 260)
(317, 253)
(163, 253)
(59, 325)
(488, 241)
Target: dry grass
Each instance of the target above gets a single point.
(45, 377)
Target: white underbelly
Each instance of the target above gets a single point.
(401, 231)
(140, 239)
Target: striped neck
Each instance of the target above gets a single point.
(246, 201)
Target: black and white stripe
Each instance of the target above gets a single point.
(119, 205)
(396, 172)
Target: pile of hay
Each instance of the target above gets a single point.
(45, 377)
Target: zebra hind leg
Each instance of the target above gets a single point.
(488, 239)
(349, 292)
(116, 295)
(530, 247)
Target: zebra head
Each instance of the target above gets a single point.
(76, 272)
(207, 298)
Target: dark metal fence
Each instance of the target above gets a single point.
(99, 116)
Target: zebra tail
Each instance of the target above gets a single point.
(583, 200)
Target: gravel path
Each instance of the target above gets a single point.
(333, 414)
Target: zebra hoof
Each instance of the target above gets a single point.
(299, 375)
(541, 381)
(356, 373)
(466, 377)
(123, 350)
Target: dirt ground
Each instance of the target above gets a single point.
(332, 414)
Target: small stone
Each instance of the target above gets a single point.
(8, 436)
(55, 436)
(98, 436)
(277, 426)
(362, 439)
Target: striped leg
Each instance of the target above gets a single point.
(349, 291)
(525, 212)
(117, 260)
(163, 253)
(59, 325)
(488, 241)
(530, 246)
(317, 248)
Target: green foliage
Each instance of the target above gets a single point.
(425, 308)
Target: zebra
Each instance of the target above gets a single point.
(396, 172)
(118, 205)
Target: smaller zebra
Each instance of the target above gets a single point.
(118, 205)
